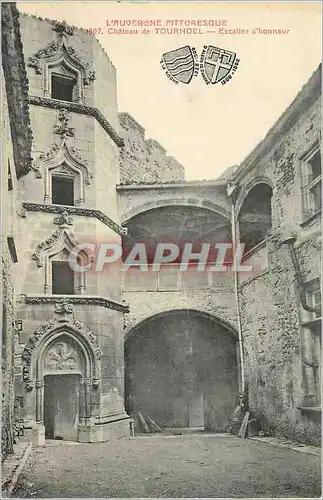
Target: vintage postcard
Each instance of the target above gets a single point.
(161, 249)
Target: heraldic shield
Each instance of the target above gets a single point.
(180, 63)
(218, 63)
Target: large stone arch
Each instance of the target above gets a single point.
(184, 202)
(248, 187)
(180, 223)
(182, 369)
(131, 329)
(218, 305)
(254, 212)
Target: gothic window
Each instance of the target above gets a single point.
(311, 333)
(62, 87)
(62, 278)
(311, 177)
(62, 190)
(64, 81)
(66, 175)
(65, 73)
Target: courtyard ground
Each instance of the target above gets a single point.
(169, 466)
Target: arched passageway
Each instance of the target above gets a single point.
(178, 225)
(182, 370)
(255, 215)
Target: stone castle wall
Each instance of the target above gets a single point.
(8, 307)
(270, 304)
(145, 161)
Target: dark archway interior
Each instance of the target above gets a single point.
(181, 371)
(255, 218)
(178, 225)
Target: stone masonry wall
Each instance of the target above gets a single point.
(270, 304)
(8, 228)
(145, 161)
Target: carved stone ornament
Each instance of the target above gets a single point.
(63, 128)
(51, 153)
(36, 168)
(64, 151)
(27, 378)
(59, 153)
(59, 51)
(61, 356)
(63, 309)
(85, 212)
(45, 245)
(63, 219)
(78, 299)
(76, 107)
(62, 28)
(35, 60)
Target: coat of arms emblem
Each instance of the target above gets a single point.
(180, 64)
(217, 65)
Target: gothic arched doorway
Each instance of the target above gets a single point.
(61, 370)
(182, 370)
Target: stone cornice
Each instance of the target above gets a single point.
(16, 88)
(75, 107)
(95, 300)
(172, 185)
(304, 99)
(86, 212)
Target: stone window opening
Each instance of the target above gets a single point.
(63, 281)
(63, 190)
(63, 81)
(65, 179)
(311, 181)
(63, 87)
(60, 279)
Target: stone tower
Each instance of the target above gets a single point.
(71, 343)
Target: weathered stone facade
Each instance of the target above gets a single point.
(275, 334)
(267, 191)
(126, 190)
(78, 335)
(15, 160)
(145, 161)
